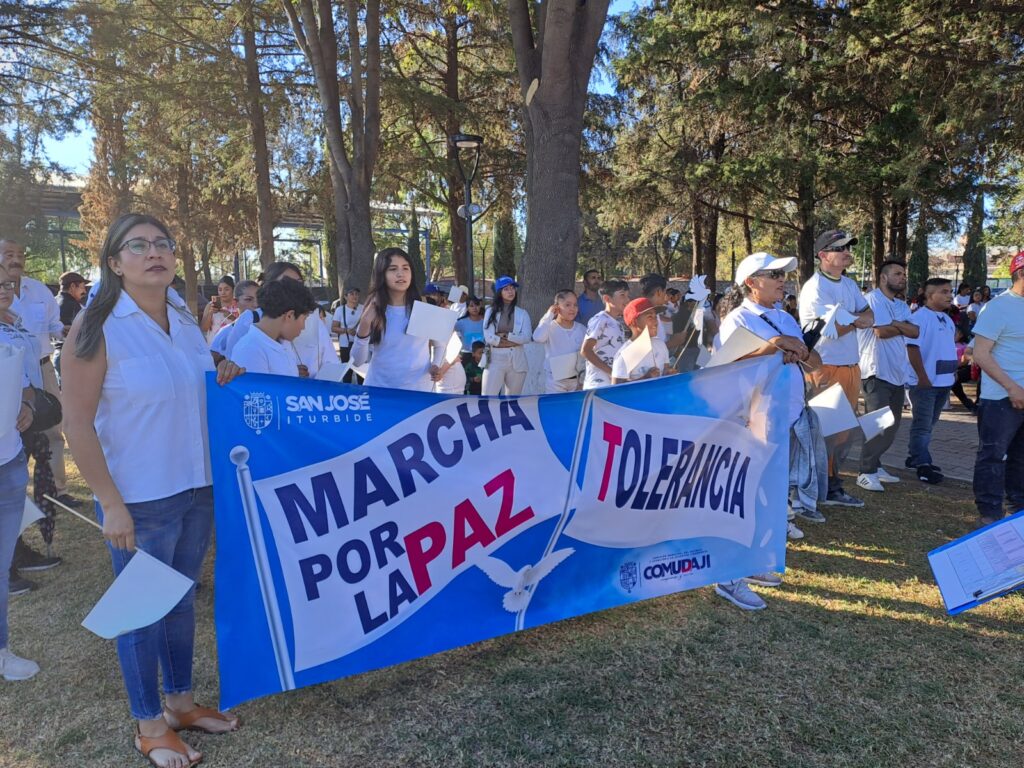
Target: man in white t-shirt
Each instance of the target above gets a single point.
(40, 315)
(933, 362)
(605, 334)
(999, 352)
(840, 357)
(883, 367)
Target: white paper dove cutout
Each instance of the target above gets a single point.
(698, 290)
(835, 315)
(516, 582)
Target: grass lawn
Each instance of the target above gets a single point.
(855, 663)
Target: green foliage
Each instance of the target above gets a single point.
(975, 259)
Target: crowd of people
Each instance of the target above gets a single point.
(129, 366)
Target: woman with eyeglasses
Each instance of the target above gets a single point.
(14, 465)
(135, 369)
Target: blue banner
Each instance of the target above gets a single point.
(361, 527)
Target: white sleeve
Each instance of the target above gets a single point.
(248, 356)
(326, 345)
(811, 303)
(360, 353)
(490, 331)
(240, 327)
(53, 323)
(619, 365)
(544, 327)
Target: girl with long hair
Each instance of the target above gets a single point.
(397, 360)
(506, 328)
(135, 369)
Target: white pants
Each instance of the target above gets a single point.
(499, 373)
(552, 387)
(54, 433)
(453, 382)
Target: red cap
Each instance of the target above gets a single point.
(1017, 262)
(637, 307)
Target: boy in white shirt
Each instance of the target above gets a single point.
(605, 334)
(639, 315)
(933, 363)
(267, 345)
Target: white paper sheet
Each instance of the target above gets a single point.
(430, 322)
(703, 357)
(876, 422)
(634, 353)
(980, 565)
(11, 372)
(361, 370)
(144, 592)
(31, 514)
(455, 294)
(454, 349)
(834, 411)
(564, 366)
(333, 371)
(740, 343)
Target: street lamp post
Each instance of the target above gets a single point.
(469, 141)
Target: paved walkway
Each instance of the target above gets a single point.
(953, 447)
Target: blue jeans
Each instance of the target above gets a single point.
(1000, 434)
(13, 481)
(927, 403)
(176, 531)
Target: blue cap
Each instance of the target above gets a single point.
(430, 288)
(504, 282)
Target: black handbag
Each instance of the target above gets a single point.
(48, 412)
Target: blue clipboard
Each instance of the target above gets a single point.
(978, 597)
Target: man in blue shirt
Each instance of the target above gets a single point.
(590, 303)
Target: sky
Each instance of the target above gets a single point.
(74, 151)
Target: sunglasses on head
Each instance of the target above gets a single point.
(771, 274)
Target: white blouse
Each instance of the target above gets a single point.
(399, 361)
(151, 417)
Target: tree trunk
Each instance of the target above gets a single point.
(902, 223)
(265, 218)
(975, 260)
(894, 224)
(555, 55)
(709, 252)
(877, 230)
(185, 249)
(697, 241)
(805, 235)
(748, 239)
(917, 267)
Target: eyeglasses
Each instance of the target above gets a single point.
(771, 274)
(8, 285)
(139, 246)
(839, 249)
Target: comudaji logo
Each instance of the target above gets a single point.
(327, 409)
(676, 566)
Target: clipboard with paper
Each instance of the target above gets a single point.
(981, 566)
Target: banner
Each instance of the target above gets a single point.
(361, 527)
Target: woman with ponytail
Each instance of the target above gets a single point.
(397, 360)
(135, 369)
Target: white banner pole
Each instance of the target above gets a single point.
(239, 456)
(564, 519)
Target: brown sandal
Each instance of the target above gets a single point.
(186, 721)
(168, 740)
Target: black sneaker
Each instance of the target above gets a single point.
(928, 473)
(910, 465)
(27, 559)
(69, 501)
(841, 498)
(19, 586)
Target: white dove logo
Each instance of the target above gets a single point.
(516, 582)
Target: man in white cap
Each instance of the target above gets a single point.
(840, 358)
(762, 279)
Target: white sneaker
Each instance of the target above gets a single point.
(869, 483)
(794, 533)
(739, 594)
(767, 579)
(16, 668)
(886, 476)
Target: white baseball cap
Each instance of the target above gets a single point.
(757, 262)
